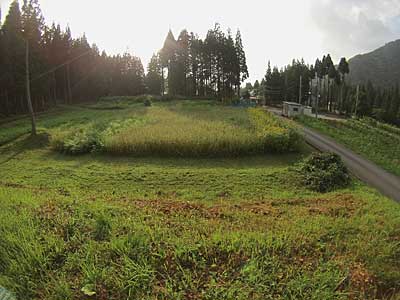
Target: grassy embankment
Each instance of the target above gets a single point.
(184, 228)
(376, 141)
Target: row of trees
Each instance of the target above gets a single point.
(325, 84)
(190, 66)
(382, 104)
(62, 69)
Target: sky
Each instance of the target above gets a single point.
(272, 30)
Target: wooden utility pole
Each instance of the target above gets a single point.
(286, 88)
(301, 87)
(55, 88)
(317, 100)
(28, 90)
(357, 98)
(69, 85)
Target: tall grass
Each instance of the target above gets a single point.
(184, 130)
(376, 141)
(176, 135)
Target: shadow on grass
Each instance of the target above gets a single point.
(246, 161)
(24, 143)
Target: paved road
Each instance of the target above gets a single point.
(387, 183)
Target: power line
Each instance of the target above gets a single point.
(61, 65)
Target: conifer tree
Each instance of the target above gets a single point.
(13, 62)
(168, 60)
(154, 76)
(243, 73)
(182, 62)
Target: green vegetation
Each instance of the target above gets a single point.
(368, 66)
(186, 129)
(367, 99)
(324, 172)
(97, 226)
(66, 69)
(374, 140)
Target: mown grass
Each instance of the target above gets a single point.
(120, 227)
(376, 141)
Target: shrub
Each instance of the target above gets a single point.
(324, 172)
(80, 141)
(147, 102)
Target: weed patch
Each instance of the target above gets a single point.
(324, 172)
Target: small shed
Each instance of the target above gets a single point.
(292, 109)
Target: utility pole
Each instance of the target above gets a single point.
(28, 90)
(286, 83)
(69, 85)
(301, 87)
(317, 100)
(357, 98)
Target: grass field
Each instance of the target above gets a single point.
(376, 141)
(98, 226)
(178, 129)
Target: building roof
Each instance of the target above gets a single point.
(292, 103)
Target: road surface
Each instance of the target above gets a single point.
(387, 183)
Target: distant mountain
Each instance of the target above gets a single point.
(381, 66)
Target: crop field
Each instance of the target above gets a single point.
(221, 214)
(179, 129)
(376, 141)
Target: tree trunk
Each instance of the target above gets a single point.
(6, 104)
(28, 90)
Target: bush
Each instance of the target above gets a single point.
(81, 141)
(324, 172)
(147, 102)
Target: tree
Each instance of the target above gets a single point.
(182, 61)
(256, 88)
(343, 69)
(364, 107)
(242, 70)
(168, 60)
(13, 61)
(154, 76)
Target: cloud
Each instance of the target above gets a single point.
(349, 27)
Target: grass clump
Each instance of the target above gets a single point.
(87, 139)
(324, 172)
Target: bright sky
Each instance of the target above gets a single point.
(272, 30)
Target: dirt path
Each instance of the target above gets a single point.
(387, 183)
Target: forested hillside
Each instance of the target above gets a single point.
(66, 69)
(381, 67)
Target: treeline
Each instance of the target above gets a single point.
(190, 66)
(63, 69)
(325, 86)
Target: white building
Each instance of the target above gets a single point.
(293, 109)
